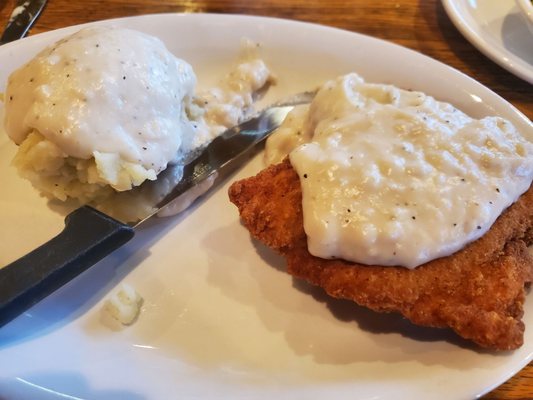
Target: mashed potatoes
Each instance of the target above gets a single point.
(105, 109)
(101, 108)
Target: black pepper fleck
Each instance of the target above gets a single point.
(498, 190)
(305, 176)
(10, 98)
(144, 148)
(124, 78)
(454, 224)
(478, 227)
(413, 217)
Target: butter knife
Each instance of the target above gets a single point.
(21, 20)
(89, 235)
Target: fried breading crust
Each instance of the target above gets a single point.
(479, 291)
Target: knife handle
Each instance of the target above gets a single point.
(88, 236)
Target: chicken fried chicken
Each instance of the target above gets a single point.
(478, 291)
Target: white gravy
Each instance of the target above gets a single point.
(395, 177)
(86, 102)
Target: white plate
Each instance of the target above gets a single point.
(498, 30)
(222, 318)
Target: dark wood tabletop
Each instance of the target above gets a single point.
(421, 25)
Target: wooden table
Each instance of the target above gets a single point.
(421, 25)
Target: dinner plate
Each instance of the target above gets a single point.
(498, 30)
(221, 317)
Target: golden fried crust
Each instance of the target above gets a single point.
(479, 291)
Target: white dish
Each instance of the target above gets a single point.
(222, 318)
(498, 30)
(526, 9)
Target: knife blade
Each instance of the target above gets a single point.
(89, 235)
(21, 20)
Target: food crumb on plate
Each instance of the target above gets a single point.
(124, 305)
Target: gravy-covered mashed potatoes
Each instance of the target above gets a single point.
(105, 109)
(395, 177)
